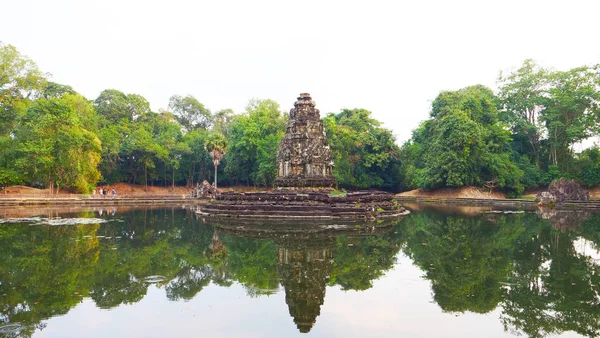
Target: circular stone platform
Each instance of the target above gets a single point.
(304, 204)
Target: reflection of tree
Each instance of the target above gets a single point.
(519, 262)
(464, 257)
(553, 288)
(189, 282)
(44, 271)
(475, 263)
(253, 263)
(360, 261)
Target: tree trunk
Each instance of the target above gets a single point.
(146, 177)
(215, 180)
(173, 181)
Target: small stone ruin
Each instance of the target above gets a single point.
(560, 191)
(204, 190)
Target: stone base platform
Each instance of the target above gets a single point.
(298, 232)
(304, 204)
(291, 182)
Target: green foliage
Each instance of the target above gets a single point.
(116, 107)
(190, 113)
(216, 146)
(253, 142)
(20, 82)
(340, 193)
(463, 143)
(548, 112)
(571, 112)
(55, 148)
(365, 154)
(588, 165)
(522, 138)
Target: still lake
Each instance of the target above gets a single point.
(165, 272)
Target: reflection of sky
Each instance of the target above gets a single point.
(399, 305)
(587, 248)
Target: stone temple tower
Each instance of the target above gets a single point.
(304, 158)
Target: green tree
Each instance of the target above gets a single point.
(522, 95)
(254, 138)
(117, 107)
(117, 113)
(197, 160)
(463, 143)
(20, 82)
(190, 112)
(364, 153)
(221, 121)
(216, 146)
(55, 148)
(572, 112)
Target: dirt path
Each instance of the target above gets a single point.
(461, 192)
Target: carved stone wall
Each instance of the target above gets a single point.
(304, 158)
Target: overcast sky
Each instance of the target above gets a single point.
(390, 57)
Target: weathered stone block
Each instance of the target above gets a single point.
(562, 190)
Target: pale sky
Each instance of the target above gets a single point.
(390, 57)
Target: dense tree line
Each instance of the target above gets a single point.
(53, 137)
(521, 136)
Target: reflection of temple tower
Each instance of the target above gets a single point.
(304, 271)
(305, 258)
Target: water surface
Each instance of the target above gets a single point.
(156, 272)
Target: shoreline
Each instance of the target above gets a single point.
(500, 202)
(89, 201)
(165, 200)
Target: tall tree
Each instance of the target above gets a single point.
(117, 113)
(20, 82)
(55, 148)
(254, 138)
(522, 95)
(221, 121)
(216, 146)
(463, 143)
(117, 107)
(364, 153)
(190, 112)
(572, 111)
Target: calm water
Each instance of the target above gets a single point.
(452, 272)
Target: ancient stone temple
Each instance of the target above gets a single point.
(304, 158)
(304, 163)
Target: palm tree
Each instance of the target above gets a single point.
(216, 146)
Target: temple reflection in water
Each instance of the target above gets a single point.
(305, 262)
(304, 272)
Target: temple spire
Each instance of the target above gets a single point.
(304, 158)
